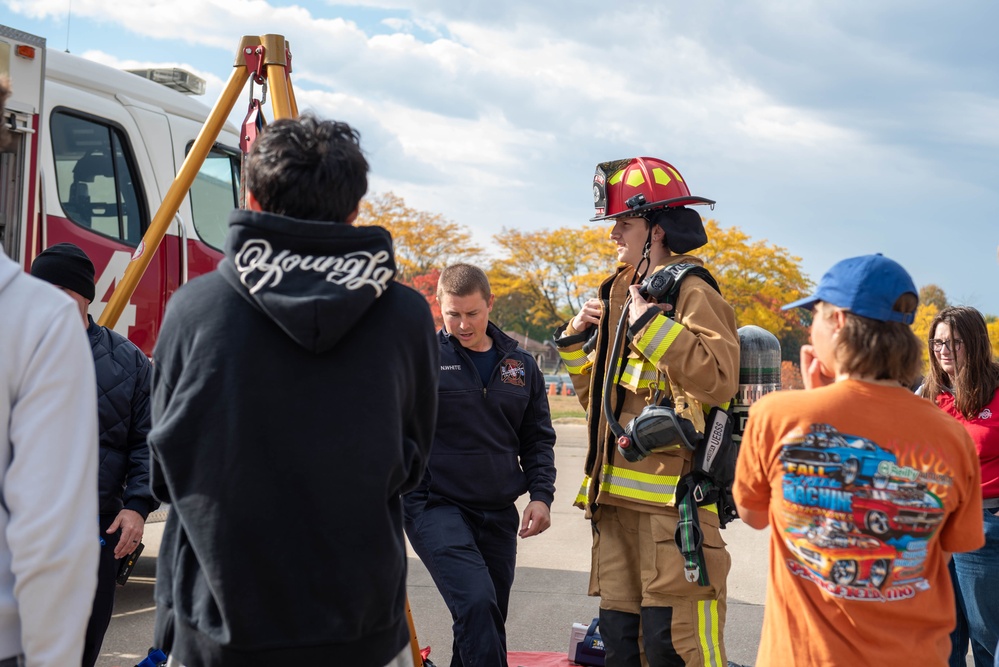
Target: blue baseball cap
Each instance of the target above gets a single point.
(867, 286)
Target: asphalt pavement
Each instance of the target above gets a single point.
(549, 593)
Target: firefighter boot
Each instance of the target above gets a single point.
(619, 631)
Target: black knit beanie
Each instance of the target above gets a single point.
(66, 265)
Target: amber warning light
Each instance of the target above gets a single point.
(25, 51)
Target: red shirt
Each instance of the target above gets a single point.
(984, 430)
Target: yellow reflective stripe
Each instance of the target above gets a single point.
(584, 491)
(636, 485)
(616, 178)
(639, 374)
(708, 632)
(658, 336)
(676, 173)
(574, 360)
(707, 408)
(639, 485)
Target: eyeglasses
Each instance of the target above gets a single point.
(938, 344)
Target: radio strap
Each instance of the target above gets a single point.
(692, 490)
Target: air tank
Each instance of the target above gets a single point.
(759, 372)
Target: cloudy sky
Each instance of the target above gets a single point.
(829, 128)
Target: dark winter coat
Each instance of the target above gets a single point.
(123, 417)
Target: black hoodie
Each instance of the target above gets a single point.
(294, 400)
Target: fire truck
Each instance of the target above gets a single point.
(94, 151)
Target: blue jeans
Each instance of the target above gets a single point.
(976, 586)
(471, 555)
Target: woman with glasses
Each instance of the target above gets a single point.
(964, 381)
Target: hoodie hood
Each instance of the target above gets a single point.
(314, 279)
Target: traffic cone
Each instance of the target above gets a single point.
(552, 389)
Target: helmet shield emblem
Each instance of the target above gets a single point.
(604, 171)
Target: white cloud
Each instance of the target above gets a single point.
(824, 128)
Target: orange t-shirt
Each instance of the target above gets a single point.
(867, 487)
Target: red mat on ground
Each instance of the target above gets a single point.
(537, 659)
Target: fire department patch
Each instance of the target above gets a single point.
(512, 372)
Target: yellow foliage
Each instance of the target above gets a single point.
(554, 271)
(921, 327)
(994, 337)
(756, 277)
(423, 241)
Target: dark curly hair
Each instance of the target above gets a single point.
(307, 168)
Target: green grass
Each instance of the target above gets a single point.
(565, 406)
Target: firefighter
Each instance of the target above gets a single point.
(684, 356)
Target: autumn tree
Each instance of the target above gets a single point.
(423, 241)
(993, 327)
(790, 376)
(934, 296)
(757, 278)
(426, 285)
(512, 304)
(921, 324)
(550, 273)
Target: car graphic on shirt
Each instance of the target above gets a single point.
(825, 452)
(905, 510)
(846, 559)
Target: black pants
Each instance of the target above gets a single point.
(100, 615)
(471, 555)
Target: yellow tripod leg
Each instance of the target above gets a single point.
(276, 62)
(284, 106)
(414, 645)
(175, 195)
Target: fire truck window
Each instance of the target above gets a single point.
(95, 178)
(214, 194)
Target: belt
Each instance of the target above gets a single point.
(16, 661)
(987, 503)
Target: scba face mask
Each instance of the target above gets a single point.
(656, 427)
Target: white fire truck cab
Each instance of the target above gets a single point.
(94, 151)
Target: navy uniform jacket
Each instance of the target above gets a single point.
(494, 442)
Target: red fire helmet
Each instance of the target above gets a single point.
(632, 187)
